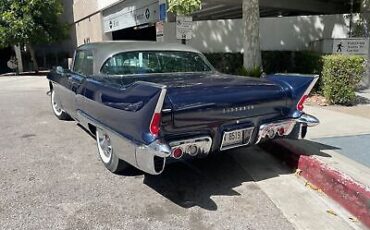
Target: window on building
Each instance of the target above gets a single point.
(155, 62)
(84, 62)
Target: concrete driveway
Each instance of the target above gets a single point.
(51, 179)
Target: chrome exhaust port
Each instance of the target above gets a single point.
(192, 147)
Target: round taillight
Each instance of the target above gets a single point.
(155, 124)
(301, 102)
(281, 131)
(177, 153)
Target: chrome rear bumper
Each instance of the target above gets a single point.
(284, 128)
(152, 158)
(309, 120)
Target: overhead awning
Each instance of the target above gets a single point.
(231, 9)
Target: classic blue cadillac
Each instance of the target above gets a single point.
(147, 103)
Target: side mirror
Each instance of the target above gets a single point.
(59, 70)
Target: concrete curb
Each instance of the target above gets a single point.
(352, 195)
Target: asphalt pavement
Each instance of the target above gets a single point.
(356, 147)
(51, 178)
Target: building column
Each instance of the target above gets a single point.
(251, 20)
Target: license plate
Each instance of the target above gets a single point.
(236, 138)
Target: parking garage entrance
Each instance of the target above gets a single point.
(139, 33)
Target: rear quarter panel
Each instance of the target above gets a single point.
(60, 86)
(125, 110)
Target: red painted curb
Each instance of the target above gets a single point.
(352, 195)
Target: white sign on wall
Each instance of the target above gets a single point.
(132, 13)
(184, 27)
(355, 46)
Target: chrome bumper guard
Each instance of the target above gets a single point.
(152, 158)
(308, 120)
(202, 145)
(271, 130)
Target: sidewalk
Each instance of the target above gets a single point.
(339, 124)
(364, 93)
(335, 157)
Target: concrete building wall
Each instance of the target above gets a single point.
(91, 30)
(105, 3)
(84, 8)
(286, 33)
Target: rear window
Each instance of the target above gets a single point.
(84, 62)
(129, 63)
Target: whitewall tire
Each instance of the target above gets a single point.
(58, 111)
(106, 153)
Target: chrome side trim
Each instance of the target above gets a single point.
(156, 85)
(313, 83)
(203, 144)
(166, 110)
(158, 107)
(309, 120)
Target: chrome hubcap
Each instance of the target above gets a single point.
(55, 105)
(105, 147)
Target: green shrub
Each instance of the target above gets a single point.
(341, 76)
(272, 61)
(254, 72)
(229, 63)
(304, 62)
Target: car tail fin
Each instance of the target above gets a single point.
(297, 86)
(155, 123)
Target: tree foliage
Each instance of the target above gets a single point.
(31, 22)
(184, 7)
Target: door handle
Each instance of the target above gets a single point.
(75, 83)
(75, 80)
(75, 86)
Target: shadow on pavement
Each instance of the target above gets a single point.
(298, 147)
(194, 183)
(190, 184)
(291, 151)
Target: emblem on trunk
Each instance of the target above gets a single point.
(238, 109)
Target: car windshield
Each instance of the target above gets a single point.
(145, 62)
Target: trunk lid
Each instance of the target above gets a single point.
(198, 99)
